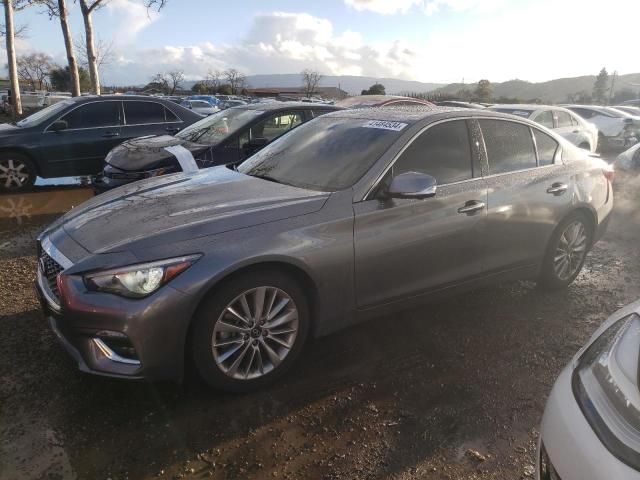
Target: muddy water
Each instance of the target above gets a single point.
(405, 396)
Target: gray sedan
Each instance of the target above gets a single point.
(350, 215)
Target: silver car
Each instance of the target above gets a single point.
(350, 215)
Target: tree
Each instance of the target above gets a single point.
(87, 7)
(224, 89)
(600, 87)
(483, 91)
(200, 88)
(103, 50)
(58, 8)
(175, 79)
(61, 79)
(16, 101)
(310, 81)
(34, 69)
(212, 81)
(375, 89)
(159, 82)
(235, 79)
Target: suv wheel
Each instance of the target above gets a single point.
(566, 252)
(250, 331)
(17, 173)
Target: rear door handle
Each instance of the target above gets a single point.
(558, 188)
(471, 207)
(111, 134)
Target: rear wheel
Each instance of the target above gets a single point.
(250, 332)
(585, 146)
(17, 172)
(566, 252)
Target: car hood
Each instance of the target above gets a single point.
(148, 152)
(181, 206)
(8, 129)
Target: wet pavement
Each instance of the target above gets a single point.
(453, 390)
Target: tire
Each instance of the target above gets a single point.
(17, 173)
(585, 146)
(243, 359)
(552, 275)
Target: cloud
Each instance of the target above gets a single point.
(430, 7)
(275, 42)
(385, 7)
(131, 18)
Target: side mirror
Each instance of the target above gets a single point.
(412, 185)
(59, 125)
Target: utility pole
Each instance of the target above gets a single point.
(613, 84)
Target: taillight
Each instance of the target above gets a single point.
(609, 173)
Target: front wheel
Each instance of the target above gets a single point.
(250, 332)
(566, 252)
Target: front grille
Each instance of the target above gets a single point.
(50, 269)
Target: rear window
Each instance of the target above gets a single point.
(140, 113)
(325, 154)
(546, 146)
(509, 146)
(564, 119)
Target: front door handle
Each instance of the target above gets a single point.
(172, 130)
(558, 188)
(111, 134)
(471, 207)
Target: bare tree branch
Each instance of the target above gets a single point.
(103, 50)
(34, 69)
(235, 79)
(310, 81)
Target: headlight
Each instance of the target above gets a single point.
(138, 280)
(605, 384)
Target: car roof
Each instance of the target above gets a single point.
(270, 106)
(93, 98)
(413, 113)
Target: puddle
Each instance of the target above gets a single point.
(19, 208)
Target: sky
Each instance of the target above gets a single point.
(439, 41)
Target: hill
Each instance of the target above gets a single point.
(552, 91)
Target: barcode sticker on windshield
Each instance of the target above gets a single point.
(385, 125)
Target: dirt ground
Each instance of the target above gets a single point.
(453, 390)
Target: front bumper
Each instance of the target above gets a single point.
(572, 446)
(87, 323)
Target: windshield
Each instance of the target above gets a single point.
(326, 154)
(44, 114)
(215, 128)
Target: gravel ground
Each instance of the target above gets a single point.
(454, 390)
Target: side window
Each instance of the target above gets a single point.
(509, 146)
(547, 147)
(564, 119)
(94, 115)
(140, 113)
(170, 116)
(275, 125)
(583, 112)
(442, 151)
(544, 118)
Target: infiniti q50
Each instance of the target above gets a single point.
(351, 214)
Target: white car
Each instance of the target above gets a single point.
(560, 120)
(200, 106)
(629, 159)
(617, 129)
(591, 424)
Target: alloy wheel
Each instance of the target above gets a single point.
(571, 250)
(14, 174)
(255, 332)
